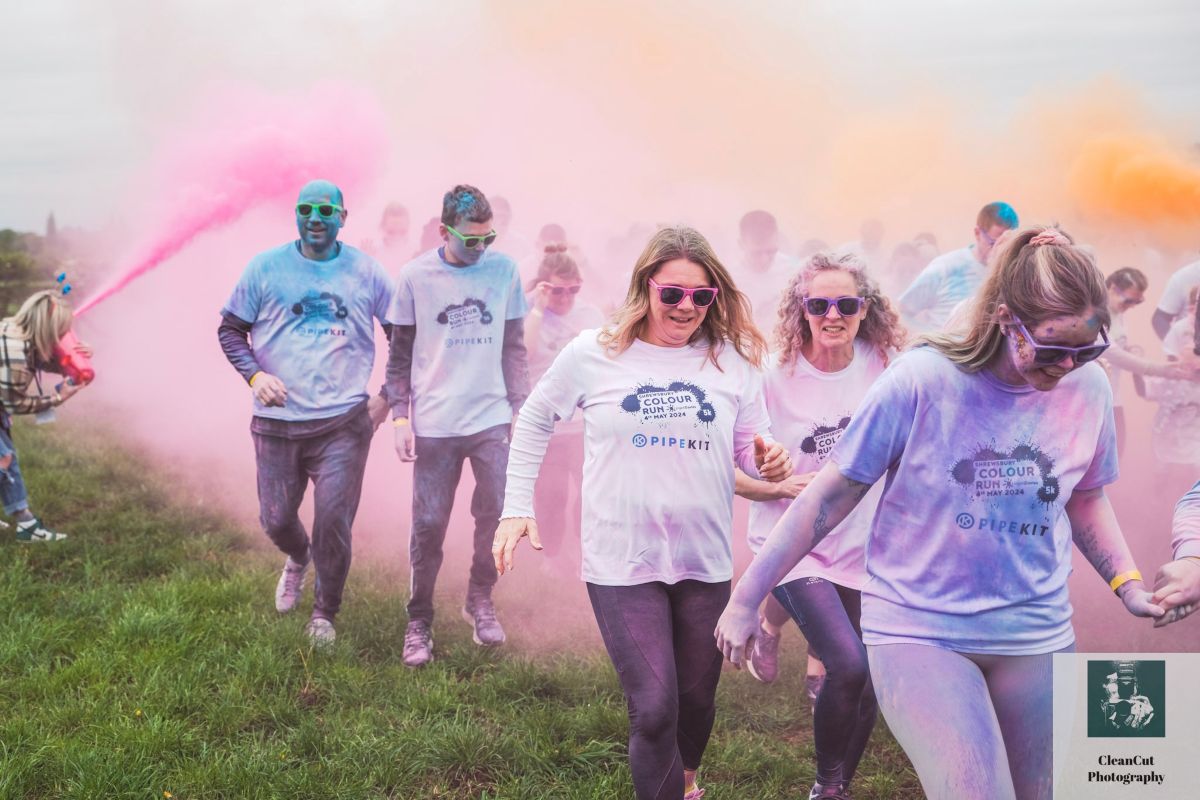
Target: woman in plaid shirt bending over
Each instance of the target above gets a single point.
(27, 341)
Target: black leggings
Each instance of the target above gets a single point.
(660, 638)
(828, 614)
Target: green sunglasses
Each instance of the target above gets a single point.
(471, 242)
(326, 210)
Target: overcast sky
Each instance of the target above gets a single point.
(88, 85)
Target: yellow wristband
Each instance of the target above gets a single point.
(255, 377)
(400, 422)
(1123, 578)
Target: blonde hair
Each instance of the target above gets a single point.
(43, 319)
(728, 319)
(880, 326)
(1039, 273)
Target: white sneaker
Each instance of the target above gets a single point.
(291, 584)
(34, 531)
(321, 631)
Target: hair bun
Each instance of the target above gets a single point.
(1050, 236)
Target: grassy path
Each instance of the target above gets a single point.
(143, 659)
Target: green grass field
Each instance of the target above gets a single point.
(143, 658)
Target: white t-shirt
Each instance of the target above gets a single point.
(809, 410)
(1175, 295)
(971, 546)
(662, 429)
(949, 279)
(457, 380)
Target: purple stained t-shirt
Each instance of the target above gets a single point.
(970, 548)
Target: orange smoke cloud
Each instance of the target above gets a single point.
(1136, 177)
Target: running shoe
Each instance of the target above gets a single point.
(34, 531)
(764, 656)
(481, 613)
(695, 794)
(291, 584)
(418, 644)
(320, 631)
(834, 791)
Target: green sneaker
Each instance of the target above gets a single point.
(34, 531)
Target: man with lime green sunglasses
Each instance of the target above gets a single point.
(456, 376)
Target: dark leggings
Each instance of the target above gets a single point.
(660, 638)
(828, 614)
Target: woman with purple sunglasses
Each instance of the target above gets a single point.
(997, 445)
(671, 398)
(835, 336)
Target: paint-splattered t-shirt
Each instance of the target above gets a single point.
(313, 326)
(949, 279)
(809, 411)
(663, 428)
(971, 546)
(459, 312)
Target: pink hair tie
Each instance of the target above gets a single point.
(1050, 236)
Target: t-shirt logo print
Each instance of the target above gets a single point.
(322, 306)
(470, 312)
(823, 437)
(1022, 471)
(677, 401)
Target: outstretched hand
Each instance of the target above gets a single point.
(508, 535)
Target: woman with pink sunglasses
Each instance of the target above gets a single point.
(671, 397)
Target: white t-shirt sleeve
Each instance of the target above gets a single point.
(383, 293)
(1173, 299)
(531, 437)
(561, 386)
(403, 310)
(1185, 526)
(877, 434)
(751, 420)
(246, 299)
(1103, 470)
(517, 306)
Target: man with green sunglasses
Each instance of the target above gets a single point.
(456, 376)
(299, 328)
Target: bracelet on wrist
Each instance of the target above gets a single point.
(1124, 578)
(400, 422)
(255, 377)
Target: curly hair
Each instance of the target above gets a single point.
(728, 319)
(880, 326)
